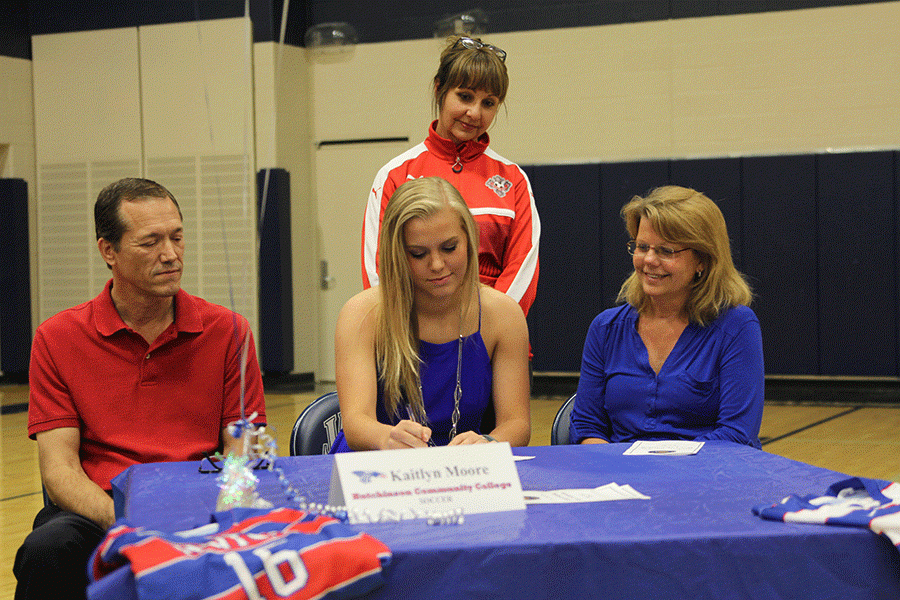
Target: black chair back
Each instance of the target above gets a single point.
(317, 426)
(559, 432)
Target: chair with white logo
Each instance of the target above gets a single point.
(317, 426)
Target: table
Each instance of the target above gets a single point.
(695, 538)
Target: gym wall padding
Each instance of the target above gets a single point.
(568, 293)
(780, 258)
(276, 305)
(15, 279)
(857, 263)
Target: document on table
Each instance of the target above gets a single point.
(664, 447)
(610, 491)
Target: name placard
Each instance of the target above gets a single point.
(417, 483)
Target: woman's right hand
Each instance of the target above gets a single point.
(408, 434)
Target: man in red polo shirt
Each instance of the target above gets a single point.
(144, 372)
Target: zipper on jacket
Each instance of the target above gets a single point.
(457, 166)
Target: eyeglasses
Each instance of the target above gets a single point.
(471, 44)
(663, 252)
(214, 464)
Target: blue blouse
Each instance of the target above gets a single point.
(709, 388)
(438, 376)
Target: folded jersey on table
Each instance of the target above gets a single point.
(245, 553)
(854, 502)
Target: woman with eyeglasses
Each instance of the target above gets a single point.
(682, 358)
(469, 87)
(420, 356)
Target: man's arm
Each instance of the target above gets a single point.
(243, 392)
(233, 445)
(64, 478)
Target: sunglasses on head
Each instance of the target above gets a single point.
(467, 42)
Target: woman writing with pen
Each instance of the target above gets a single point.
(420, 356)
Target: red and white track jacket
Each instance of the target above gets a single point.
(497, 192)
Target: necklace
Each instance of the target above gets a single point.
(457, 392)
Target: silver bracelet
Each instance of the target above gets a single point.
(488, 438)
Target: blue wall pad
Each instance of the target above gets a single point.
(276, 302)
(15, 278)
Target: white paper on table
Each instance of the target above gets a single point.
(664, 447)
(603, 493)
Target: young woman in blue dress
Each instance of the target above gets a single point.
(682, 357)
(421, 355)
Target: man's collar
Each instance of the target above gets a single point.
(108, 321)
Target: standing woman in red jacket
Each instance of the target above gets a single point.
(469, 87)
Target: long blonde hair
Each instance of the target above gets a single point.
(396, 329)
(687, 217)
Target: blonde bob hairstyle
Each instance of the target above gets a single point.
(396, 329)
(688, 218)
(471, 68)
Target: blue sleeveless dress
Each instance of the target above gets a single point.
(438, 375)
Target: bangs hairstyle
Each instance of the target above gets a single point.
(688, 218)
(474, 69)
(396, 329)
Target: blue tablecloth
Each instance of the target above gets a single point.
(695, 538)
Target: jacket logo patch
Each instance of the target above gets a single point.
(499, 185)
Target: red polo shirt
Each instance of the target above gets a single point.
(136, 402)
